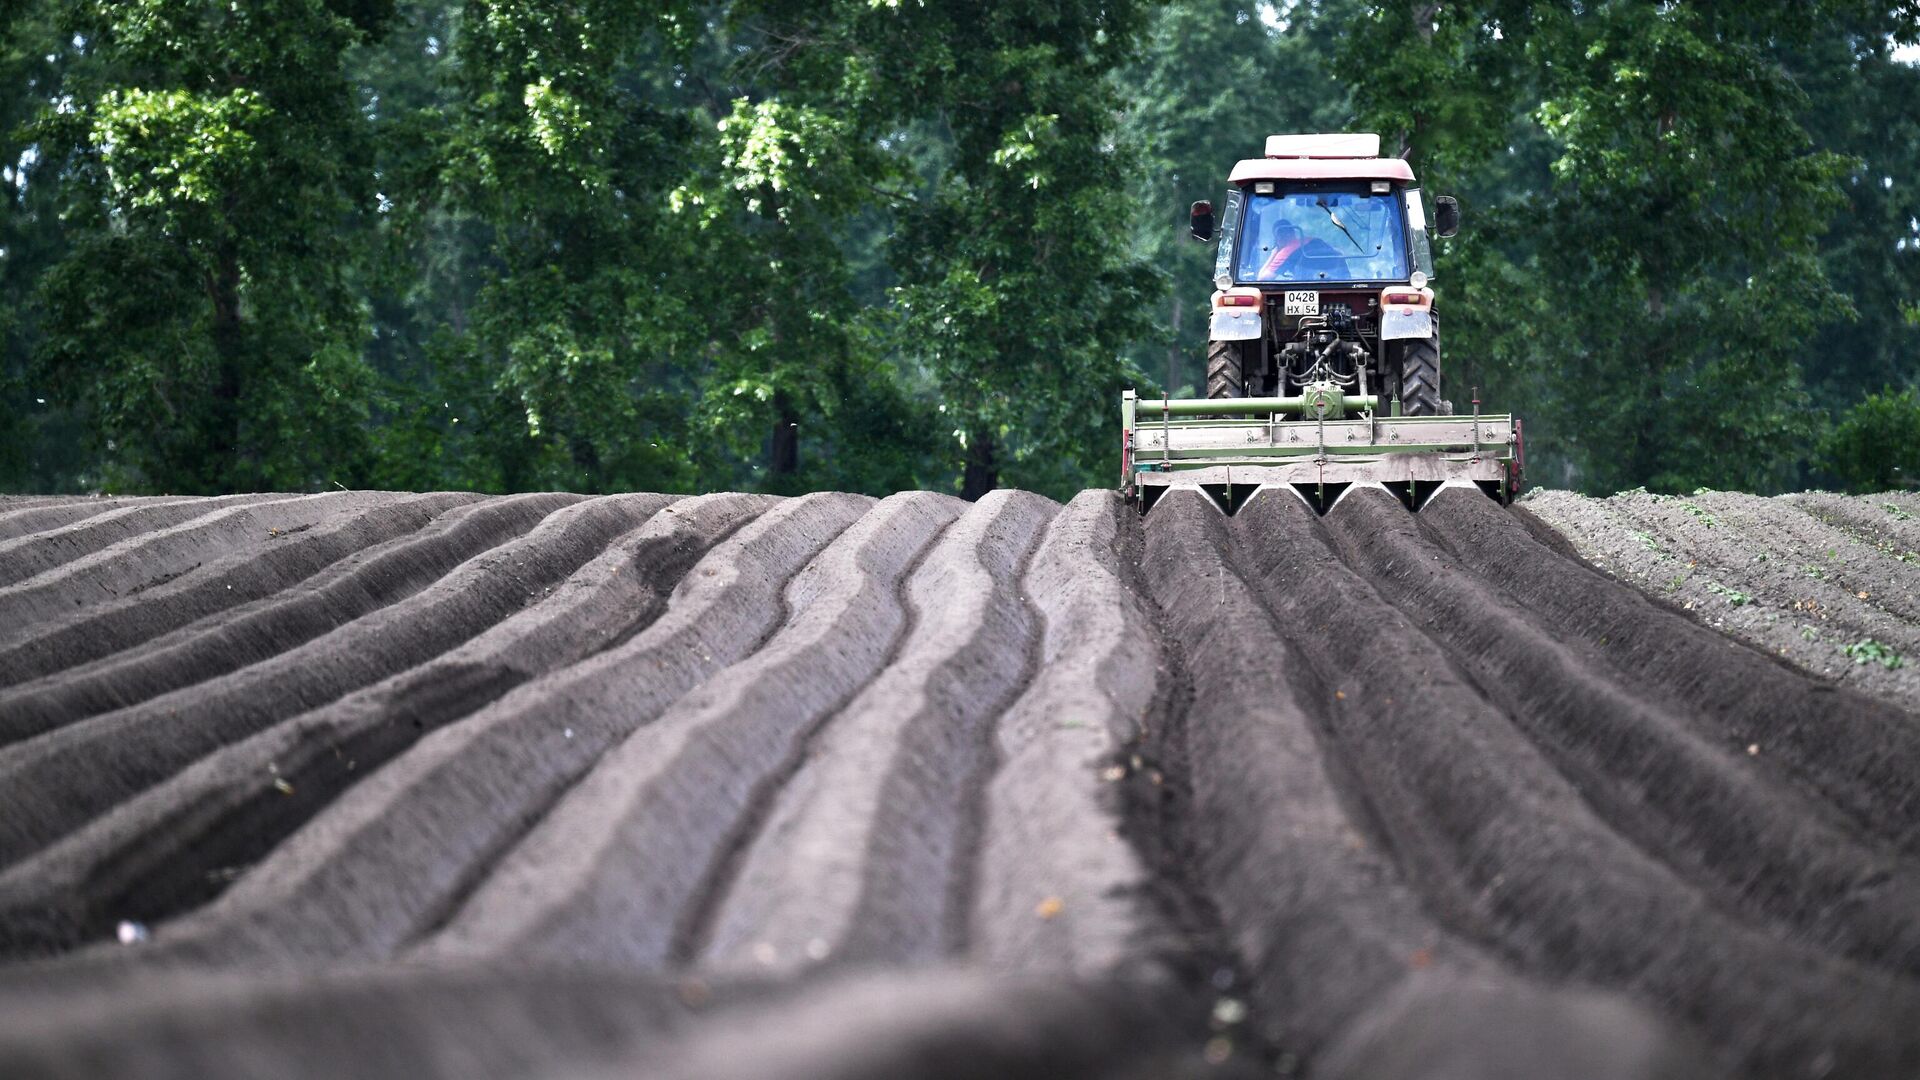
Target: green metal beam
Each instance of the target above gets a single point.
(1244, 406)
(1149, 459)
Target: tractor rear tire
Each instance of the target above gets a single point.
(1226, 370)
(1420, 378)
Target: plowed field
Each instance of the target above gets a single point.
(1831, 584)
(405, 785)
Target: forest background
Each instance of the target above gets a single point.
(870, 245)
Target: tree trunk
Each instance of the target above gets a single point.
(1424, 14)
(783, 452)
(224, 470)
(983, 468)
(1173, 351)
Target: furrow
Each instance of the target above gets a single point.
(1788, 605)
(1058, 888)
(175, 845)
(1762, 533)
(252, 633)
(394, 857)
(1501, 848)
(621, 863)
(1436, 1027)
(1877, 552)
(23, 502)
(24, 520)
(943, 1024)
(156, 557)
(1858, 754)
(389, 1023)
(507, 1021)
(248, 574)
(1705, 808)
(1873, 518)
(25, 557)
(1907, 502)
(863, 851)
(1321, 924)
(1344, 967)
(55, 782)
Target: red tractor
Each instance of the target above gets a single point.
(1323, 353)
(1322, 275)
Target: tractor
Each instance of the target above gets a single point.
(1323, 353)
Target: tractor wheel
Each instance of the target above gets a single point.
(1226, 375)
(1420, 378)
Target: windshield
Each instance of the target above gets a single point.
(1322, 236)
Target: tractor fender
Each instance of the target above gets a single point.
(1231, 325)
(1406, 312)
(1236, 314)
(1396, 325)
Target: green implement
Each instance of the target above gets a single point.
(1319, 444)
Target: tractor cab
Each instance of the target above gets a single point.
(1321, 272)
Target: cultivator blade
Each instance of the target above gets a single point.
(1310, 449)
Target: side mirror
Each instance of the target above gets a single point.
(1202, 220)
(1446, 216)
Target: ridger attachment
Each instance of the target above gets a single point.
(1231, 448)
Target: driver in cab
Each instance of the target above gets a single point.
(1284, 240)
(1289, 248)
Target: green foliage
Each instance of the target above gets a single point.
(1733, 597)
(1010, 300)
(1869, 651)
(1876, 444)
(1213, 80)
(1643, 270)
(203, 323)
(1860, 105)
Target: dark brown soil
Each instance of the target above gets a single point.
(396, 785)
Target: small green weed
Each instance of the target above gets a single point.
(1732, 596)
(1676, 581)
(1808, 633)
(1814, 572)
(1898, 514)
(1702, 516)
(1646, 540)
(1870, 651)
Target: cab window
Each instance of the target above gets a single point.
(1323, 235)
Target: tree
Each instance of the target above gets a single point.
(41, 443)
(1017, 291)
(1876, 445)
(1859, 105)
(1214, 79)
(204, 321)
(1651, 292)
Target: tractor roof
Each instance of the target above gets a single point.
(1347, 156)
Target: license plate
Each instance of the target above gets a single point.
(1303, 303)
